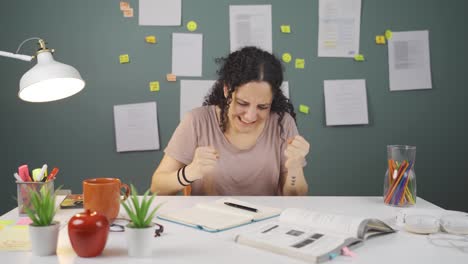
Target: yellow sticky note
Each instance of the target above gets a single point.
(303, 109)
(124, 58)
(300, 63)
(192, 25)
(388, 34)
(171, 77)
(380, 39)
(286, 57)
(285, 29)
(359, 57)
(154, 86)
(150, 39)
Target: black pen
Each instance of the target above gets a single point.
(241, 207)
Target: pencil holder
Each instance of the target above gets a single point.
(23, 193)
(400, 178)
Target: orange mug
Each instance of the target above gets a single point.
(103, 196)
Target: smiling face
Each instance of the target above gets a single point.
(250, 107)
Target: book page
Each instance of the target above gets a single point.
(206, 218)
(296, 241)
(321, 221)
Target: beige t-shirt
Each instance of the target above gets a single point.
(254, 171)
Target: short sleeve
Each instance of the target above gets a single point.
(183, 142)
(289, 131)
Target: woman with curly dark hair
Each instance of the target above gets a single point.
(243, 140)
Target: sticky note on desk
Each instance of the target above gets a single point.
(300, 63)
(303, 109)
(15, 238)
(285, 29)
(124, 58)
(150, 39)
(380, 39)
(154, 86)
(359, 57)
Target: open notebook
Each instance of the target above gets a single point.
(218, 216)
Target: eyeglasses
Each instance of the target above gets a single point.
(459, 242)
(118, 225)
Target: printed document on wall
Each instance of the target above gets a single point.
(160, 12)
(409, 62)
(345, 102)
(250, 25)
(187, 54)
(136, 127)
(193, 92)
(339, 28)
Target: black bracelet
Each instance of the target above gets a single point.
(183, 175)
(178, 177)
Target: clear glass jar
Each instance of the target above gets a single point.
(400, 178)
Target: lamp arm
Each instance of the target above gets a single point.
(16, 56)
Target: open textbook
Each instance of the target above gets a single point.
(312, 236)
(220, 215)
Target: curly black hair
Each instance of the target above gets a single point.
(243, 66)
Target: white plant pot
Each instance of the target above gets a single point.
(140, 241)
(44, 239)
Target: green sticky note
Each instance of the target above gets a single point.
(303, 109)
(6, 222)
(154, 86)
(285, 29)
(286, 57)
(388, 34)
(124, 58)
(300, 63)
(359, 57)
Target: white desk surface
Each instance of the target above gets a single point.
(180, 244)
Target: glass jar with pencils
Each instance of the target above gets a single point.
(400, 178)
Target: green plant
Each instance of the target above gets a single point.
(139, 211)
(42, 210)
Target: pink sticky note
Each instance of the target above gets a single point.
(347, 252)
(24, 221)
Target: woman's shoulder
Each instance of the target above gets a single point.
(287, 118)
(199, 114)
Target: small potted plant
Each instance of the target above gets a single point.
(140, 230)
(43, 230)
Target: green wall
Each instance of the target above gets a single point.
(77, 134)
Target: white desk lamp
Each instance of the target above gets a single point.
(48, 80)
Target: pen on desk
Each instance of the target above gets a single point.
(243, 207)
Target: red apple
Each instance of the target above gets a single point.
(88, 233)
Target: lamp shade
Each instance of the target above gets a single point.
(49, 80)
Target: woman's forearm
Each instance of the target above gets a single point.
(295, 183)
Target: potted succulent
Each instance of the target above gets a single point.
(140, 230)
(43, 230)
